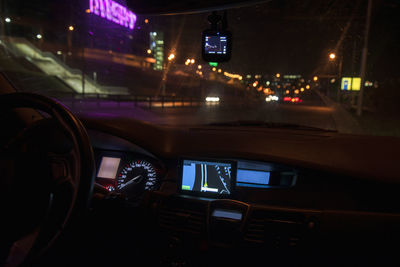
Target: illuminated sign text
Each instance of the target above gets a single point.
(114, 12)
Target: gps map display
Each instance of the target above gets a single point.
(215, 45)
(207, 177)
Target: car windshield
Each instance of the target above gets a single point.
(325, 65)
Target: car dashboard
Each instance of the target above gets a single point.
(131, 174)
(272, 207)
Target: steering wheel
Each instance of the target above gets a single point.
(46, 176)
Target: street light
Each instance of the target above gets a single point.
(149, 51)
(199, 67)
(71, 28)
(332, 56)
(315, 78)
(171, 56)
(192, 61)
(278, 75)
(39, 36)
(8, 20)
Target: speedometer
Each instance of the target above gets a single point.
(137, 175)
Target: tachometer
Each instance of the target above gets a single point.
(137, 175)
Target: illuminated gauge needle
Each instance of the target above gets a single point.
(130, 181)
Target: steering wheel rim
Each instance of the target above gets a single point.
(86, 168)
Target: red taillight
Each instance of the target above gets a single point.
(287, 99)
(295, 99)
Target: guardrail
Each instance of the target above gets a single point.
(142, 101)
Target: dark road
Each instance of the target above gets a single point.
(315, 111)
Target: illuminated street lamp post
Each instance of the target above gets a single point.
(332, 57)
(171, 57)
(166, 67)
(69, 37)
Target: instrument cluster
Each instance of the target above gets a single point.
(130, 174)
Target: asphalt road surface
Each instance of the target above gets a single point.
(315, 110)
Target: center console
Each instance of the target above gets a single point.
(208, 213)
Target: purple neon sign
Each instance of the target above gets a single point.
(114, 12)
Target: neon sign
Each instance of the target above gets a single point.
(114, 12)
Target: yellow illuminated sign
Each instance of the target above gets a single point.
(356, 84)
(346, 84)
(351, 84)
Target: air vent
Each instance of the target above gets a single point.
(255, 231)
(182, 219)
(274, 228)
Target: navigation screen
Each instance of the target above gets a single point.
(207, 177)
(215, 44)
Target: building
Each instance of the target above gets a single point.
(157, 48)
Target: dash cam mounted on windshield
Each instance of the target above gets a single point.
(217, 41)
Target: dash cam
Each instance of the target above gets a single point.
(216, 45)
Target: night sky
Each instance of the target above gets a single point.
(285, 36)
(295, 37)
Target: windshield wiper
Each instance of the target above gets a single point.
(266, 124)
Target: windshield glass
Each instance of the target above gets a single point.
(323, 64)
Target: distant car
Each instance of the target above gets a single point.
(271, 98)
(295, 99)
(212, 99)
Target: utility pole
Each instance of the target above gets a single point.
(353, 72)
(2, 16)
(340, 77)
(364, 55)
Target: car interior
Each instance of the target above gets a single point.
(96, 189)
